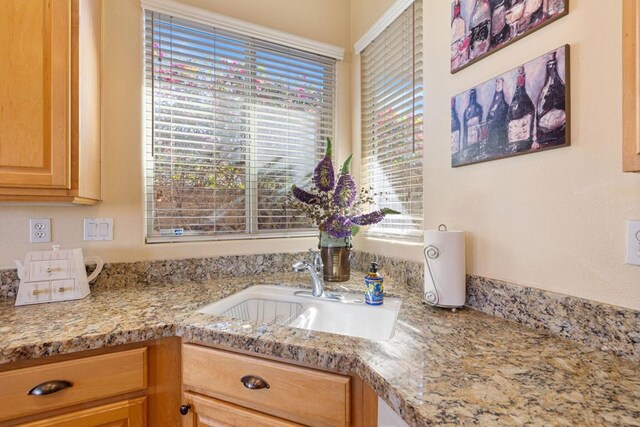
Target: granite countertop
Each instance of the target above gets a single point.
(440, 367)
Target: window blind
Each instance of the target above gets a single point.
(392, 109)
(231, 123)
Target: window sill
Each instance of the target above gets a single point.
(231, 237)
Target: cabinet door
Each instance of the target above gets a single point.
(630, 86)
(35, 66)
(208, 412)
(128, 413)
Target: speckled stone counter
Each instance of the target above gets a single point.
(463, 368)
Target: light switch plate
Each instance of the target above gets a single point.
(40, 230)
(98, 229)
(633, 243)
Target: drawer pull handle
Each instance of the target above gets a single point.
(253, 382)
(50, 387)
(184, 409)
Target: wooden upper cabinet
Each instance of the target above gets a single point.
(630, 86)
(50, 100)
(34, 93)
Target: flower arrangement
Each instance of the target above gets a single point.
(333, 203)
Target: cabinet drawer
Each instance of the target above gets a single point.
(50, 270)
(298, 394)
(38, 291)
(90, 378)
(63, 289)
(206, 411)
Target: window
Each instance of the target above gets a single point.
(391, 108)
(232, 121)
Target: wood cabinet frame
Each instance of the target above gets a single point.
(630, 86)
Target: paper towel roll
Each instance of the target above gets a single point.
(444, 270)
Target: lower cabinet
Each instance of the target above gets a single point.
(37, 389)
(127, 413)
(134, 385)
(165, 383)
(222, 388)
(203, 411)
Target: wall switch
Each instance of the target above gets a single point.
(98, 229)
(633, 242)
(40, 230)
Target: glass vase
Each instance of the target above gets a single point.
(335, 253)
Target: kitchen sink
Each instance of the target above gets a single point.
(279, 305)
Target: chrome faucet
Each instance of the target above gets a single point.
(317, 283)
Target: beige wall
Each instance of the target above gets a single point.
(322, 20)
(553, 220)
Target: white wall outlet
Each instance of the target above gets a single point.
(98, 229)
(633, 242)
(40, 230)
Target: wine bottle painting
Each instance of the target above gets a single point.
(480, 27)
(522, 111)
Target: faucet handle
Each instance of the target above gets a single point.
(316, 259)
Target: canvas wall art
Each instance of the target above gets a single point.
(522, 111)
(480, 27)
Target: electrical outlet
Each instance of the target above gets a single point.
(633, 243)
(40, 230)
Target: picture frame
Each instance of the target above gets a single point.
(524, 110)
(482, 27)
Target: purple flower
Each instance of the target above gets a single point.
(345, 192)
(372, 217)
(368, 219)
(304, 196)
(323, 176)
(338, 226)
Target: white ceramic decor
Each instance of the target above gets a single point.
(55, 275)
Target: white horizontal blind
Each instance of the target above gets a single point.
(392, 108)
(232, 122)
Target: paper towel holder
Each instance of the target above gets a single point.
(432, 252)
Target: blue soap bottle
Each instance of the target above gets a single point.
(374, 289)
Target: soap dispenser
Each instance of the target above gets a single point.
(374, 290)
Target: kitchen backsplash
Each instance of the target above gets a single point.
(9, 282)
(408, 272)
(609, 328)
(144, 273)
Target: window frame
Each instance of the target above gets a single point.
(244, 29)
(390, 17)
